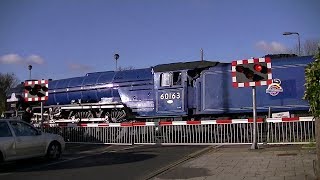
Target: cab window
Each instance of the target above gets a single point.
(165, 79)
(176, 78)
(170, 78)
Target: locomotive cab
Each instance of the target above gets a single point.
(174, 86)
(170, 88)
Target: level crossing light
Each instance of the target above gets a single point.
(252, 72)
(291, 33)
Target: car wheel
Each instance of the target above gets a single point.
(54, 151)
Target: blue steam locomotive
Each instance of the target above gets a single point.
(198, 89)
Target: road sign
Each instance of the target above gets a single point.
(36, 90)
(251, 72)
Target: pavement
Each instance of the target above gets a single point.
(239, 162)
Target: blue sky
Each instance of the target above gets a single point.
(68, 38)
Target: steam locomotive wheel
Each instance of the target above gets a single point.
(116, 115)
(83, 115)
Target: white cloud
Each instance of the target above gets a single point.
(34, 59)
(11, 59)
(79, 67)
(273, 47)
(17, 59)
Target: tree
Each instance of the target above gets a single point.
(308, 47)
(125, 68)
(7, 81)
(312, 94)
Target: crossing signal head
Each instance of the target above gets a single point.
(36, 90)
(251, 72)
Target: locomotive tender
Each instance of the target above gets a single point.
(198, 89)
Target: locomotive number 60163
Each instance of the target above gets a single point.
(170, 95)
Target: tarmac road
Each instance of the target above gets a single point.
(99, 162)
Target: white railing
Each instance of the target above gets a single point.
(210, 132)
(299, 130)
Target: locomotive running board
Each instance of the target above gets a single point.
(94, 107)
(82, 120)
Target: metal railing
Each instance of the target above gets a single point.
(211, 132)
(290, 131)
(205, 134)
(94, 135)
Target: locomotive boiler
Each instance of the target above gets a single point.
(198, 89)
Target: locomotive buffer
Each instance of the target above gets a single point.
(251, 73)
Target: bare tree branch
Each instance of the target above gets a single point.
(308, 48)
(7, 81)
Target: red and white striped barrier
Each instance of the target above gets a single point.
(175, 123)
(218, 121)
(161, 123)
(290, 119)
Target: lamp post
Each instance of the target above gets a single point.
(30, 67)
(116, 57)
(291, 33)
(201, 53)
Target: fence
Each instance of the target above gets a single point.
(115, 133)
(298, 130)
(236, 131)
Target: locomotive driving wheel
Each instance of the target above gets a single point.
(83, 115)
(116, 115)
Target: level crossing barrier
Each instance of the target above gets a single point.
(297, 130)
(232, 131)
(103, 133)
(209, 132)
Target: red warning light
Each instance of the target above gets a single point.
(257, 67)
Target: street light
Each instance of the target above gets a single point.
(116, 57)
(290, 33)
(30, 67)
